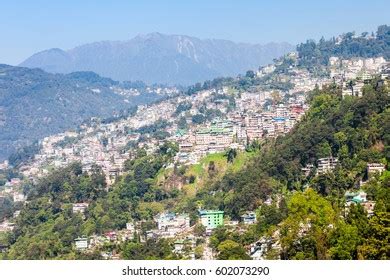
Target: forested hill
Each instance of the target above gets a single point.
(306, 216)
(357, 132)
(35, 104)
(346, 46)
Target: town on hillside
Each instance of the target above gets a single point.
(206, 122)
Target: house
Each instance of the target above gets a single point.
(6, 226)
(358, 89)
(3, 248)
(79, 207)
(81, 243)
(130, 227)
(249, 218)
(211, 218)
(258, 249)
(375, 168)
(359, 198)
(16, 214)
(4, 165)
(19, 197)
(179, 246)
(369, 207)
(170, 224)
(111, 236)
(356, 197)
(326, 165)
(15, 182)
(307, 169)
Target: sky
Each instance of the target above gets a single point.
(27, 27)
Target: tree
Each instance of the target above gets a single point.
(198, 119)
(344, 242)
(212, 168)
(231, 154)
(305, 231)
(250, 74)
(199, 229)
(276, 97)
(219, 235)
(231, 250)
(376, 245)
(325, 150)
(182, 123)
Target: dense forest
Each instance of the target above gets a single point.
(312, 53)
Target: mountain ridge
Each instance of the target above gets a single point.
(159, 58)
(35, 104)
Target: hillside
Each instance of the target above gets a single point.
(306, 216)
(160, 58)
(354, 130)
(34, 104)
(346, 46)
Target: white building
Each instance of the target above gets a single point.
(326, 165)
(80, 207)
(375, 168)
(81, 243)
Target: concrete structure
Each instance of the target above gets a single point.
(211, 218)
(249, 218)
(356, 197)
(79, 207)
(359, 198)
(179, 246)
(327, 164)
(170, 224)
(375, 168)
(81, 243)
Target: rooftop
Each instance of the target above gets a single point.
(208, 212)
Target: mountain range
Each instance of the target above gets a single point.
(34, 103)
(160, 58)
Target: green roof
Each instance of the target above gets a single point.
(209, 212)
(213, 130)
(357, 200)
(181, 132)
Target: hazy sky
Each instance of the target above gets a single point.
(29, 26)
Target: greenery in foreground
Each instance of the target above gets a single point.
(356, 130)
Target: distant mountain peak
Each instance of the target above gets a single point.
(151, 35)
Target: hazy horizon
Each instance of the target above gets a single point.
(32, 26)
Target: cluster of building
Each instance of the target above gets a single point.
(258, 113)
(170, 225)
(167, 225)
(133, 91)
(12, 190)
(352, 74)
(91, 243)
(239, 128)
(101, 144)
(6, 225)
(359, 197)
(255, 115)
